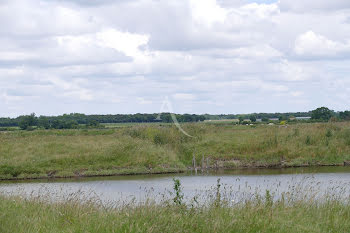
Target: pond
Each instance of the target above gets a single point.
(238, 185)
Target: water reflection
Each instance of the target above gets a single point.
(237, 185)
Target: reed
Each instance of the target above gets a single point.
(289, 213)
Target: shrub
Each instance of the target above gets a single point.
(178, 192)
(308, 140)
(329, 133)
(346, 136)
(159, 139)
(296, 132)
(8, 169)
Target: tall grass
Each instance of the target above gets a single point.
(161, 148)
(289, 213)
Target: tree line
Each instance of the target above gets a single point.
(79, 120)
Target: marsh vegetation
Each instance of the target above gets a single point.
(294, 211)
(157, 148)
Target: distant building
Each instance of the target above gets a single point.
(303, 118)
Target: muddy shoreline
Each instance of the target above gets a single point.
(199, 169)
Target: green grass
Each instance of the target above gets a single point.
(154, 148)
(225, 121)
(258, 215)
(129, 124)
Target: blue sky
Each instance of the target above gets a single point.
(205, 56)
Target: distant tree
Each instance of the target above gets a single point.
(70, 124)
(166, 117)
(241, 119)
(55, 124)
(93, 124)
(43, 122)
(344, 115)
(201, 118)
(27, 122)
(322, 113)
(252, 118)
(23, 124)
(282, 118)
(265, 119)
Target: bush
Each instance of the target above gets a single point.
(346, 136)
(178, 192)
(159, 139)
(8, 169)
(329, 133)
(296, 132)
(308, 140)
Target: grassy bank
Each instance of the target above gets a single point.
(261, 215)
(163, 148)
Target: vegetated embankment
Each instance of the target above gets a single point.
(155, 148)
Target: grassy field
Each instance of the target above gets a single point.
(118, 125)
(163, 148)
(261, 214)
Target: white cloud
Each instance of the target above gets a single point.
(312, 5)
(262, 51)
(296, 93)
(208, 12)
(125, 42)
(262, 11)
(40, 18)
(72, 89)
(184, 96)
(144, 101)
(293, 71)
(310, 44)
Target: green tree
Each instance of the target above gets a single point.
(252, 118)
(322, 113)
(93, 124)
(282, 118)
(27, 122)
(265, 119)
(43, 122)
(55, 124)
(344, 115)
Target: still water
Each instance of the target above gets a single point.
(238, 185)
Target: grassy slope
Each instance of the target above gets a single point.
(17, 215)
(154, 148)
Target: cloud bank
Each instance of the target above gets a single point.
(208, 56)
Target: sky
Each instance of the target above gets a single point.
(203, 56)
